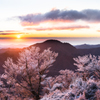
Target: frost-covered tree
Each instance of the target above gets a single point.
(84, 84)
(78, 90)
(83, 90)
(89, 66)
(74, 91)
(23, 79)
(60, 82)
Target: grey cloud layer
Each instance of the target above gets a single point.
(70, 15)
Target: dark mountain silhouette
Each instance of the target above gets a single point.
(93, 51)
(66, 53)
(87, 46)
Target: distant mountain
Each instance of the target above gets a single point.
(87, 46)
(66, 53)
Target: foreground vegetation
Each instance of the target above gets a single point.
(27, 79)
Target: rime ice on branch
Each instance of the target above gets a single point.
(85, 84)
(24, 78)
(89, 66)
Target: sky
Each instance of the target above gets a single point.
(28, 21)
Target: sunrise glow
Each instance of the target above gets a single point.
(65, 20)
(18, 36)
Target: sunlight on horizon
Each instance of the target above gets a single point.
(20, 43)
(18, 36)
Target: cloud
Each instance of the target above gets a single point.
(58, 28)
(9, 32)
(89, 15)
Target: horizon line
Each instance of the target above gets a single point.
(49, 37)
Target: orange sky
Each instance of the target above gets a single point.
(75, 19)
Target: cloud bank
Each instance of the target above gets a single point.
(58, 28)
(88, 15)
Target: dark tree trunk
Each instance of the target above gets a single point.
(37, 97)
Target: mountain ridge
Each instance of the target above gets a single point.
(87, 46)
(66, 53)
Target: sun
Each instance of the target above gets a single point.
(18, 36)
